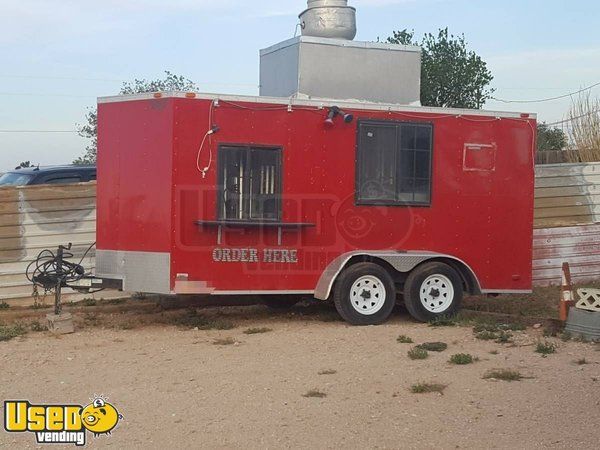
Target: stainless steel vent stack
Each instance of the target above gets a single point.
(329, 19)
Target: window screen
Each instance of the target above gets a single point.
(394, 163)
(249, 183)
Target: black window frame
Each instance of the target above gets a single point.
(278, 185)
(359, 201)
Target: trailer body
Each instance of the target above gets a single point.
(212, 194)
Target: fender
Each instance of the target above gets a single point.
(401, 261)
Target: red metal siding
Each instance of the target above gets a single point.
(135, 141)
(482, 217)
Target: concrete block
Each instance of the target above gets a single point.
(584, 323)
(61, 324)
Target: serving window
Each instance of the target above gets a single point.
(249, 181)
(394, 162)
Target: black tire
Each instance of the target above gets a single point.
(415, 286)
(280, 303)
(344, 294)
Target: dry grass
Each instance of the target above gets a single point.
(258, 330)
(314, 393)
(584, 132)
(503, 374)
(225, 341)
(433, 346)
(37, 327)
(427, 388)
(194, 320)
(8, 332)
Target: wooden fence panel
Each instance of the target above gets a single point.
(34, 218)
(567, 222)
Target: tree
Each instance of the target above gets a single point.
(89, 130)
(549, 139)
(451, 75)
(24, 165)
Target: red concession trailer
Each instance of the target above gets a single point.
(349, 201)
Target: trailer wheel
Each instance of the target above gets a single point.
(433, 290)
(365, 294)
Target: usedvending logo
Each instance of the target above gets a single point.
(61, 424)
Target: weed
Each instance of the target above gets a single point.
(225, 341)
(486, 335)
(91, 320)
(37, 327)
(327, 372)
(37, 305)
(89, 302)
(500, 336)
(462, 359)
(433, 346)
(314, 393)
(504, 337)
(115, 301)
(545, 348)
(495, 327)
(8, 332)
(444, 321)
(404, 339)
(503, 374)
(565, 336)
(128, 325)
(426, 388)
(195, 320)
(258, 330)
(418, 353)
(581, 362)
(4, 305)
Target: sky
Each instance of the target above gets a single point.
(58, 56)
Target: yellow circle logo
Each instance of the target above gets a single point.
(100, 417)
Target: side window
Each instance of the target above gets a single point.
(394, 163)
(249, 183)
(63, 180)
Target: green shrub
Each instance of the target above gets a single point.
(418, 353)
(545, 348)
(426, 388)
(462, 359)
(433, 346)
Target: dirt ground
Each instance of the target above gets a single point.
(177, 388)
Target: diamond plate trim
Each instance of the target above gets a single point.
(147, 272)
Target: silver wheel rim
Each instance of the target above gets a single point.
(437, 293)
(367, 295)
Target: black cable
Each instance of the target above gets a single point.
(48, 269)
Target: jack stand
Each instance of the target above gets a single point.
(59, 323)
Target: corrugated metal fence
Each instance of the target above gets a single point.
(33, 218)
(567, 222)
